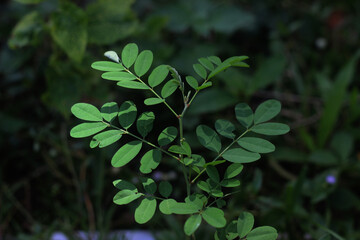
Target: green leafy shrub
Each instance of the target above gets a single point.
(205, 197)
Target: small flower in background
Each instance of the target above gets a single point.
(331, 179)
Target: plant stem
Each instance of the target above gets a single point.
(143, 140)
(153, 91)
(226, 195)
(218, 156)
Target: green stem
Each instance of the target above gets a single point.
(143, 140)
(226, 195)
(152, 90)
(218, 156)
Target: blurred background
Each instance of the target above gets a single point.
(303, 53)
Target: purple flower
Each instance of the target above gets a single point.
(331, 179)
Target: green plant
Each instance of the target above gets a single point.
(204, 199)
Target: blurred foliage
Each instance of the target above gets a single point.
(304, 54)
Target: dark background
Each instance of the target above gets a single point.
(303, 53)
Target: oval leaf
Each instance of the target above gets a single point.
(107, 66)
(153, 101)
(143, 62)
(129, 54)
(192, 82)
(87, 129)
(158, 75)
(126, 196)
(244, 114)
(112, 56)
(191, 224)
(150, 161)
(233, 170)
(239, 155)
(200, 70)
(126, 153)
(144, 124)
(106, 138)
(214, 217)
(257, 145)
(169, 88)
(213, 173)
(109, 111)
(167, 136)
(145, 211)
(166, 205)
(148, 184)
(165, 189)
(127, 114)
(245, 223)
(86, 112)
(206, 63)
(132, 85)
(122, 184)
(216, 60)
(271, 129)
(267, 110)
(208, 138)
(262, 233)
(118, 76)
(225, 128)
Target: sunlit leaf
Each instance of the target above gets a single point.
(107, 138)
(150, 161)
(143, 62)
(118, 76)
(129, 54)
(148, 184)
(87, 129)
(126, 153)
(192, 82)
(158, 75)
(200, 70)
(145, 211)
(245, 223)
(109, 111)
(169, 88)
(132, 85)
(107, 66)
(122, 184)
(112, 56)
(126, 196)
(191, 224)
(153, 101)
(86, 112)
(262, 233)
